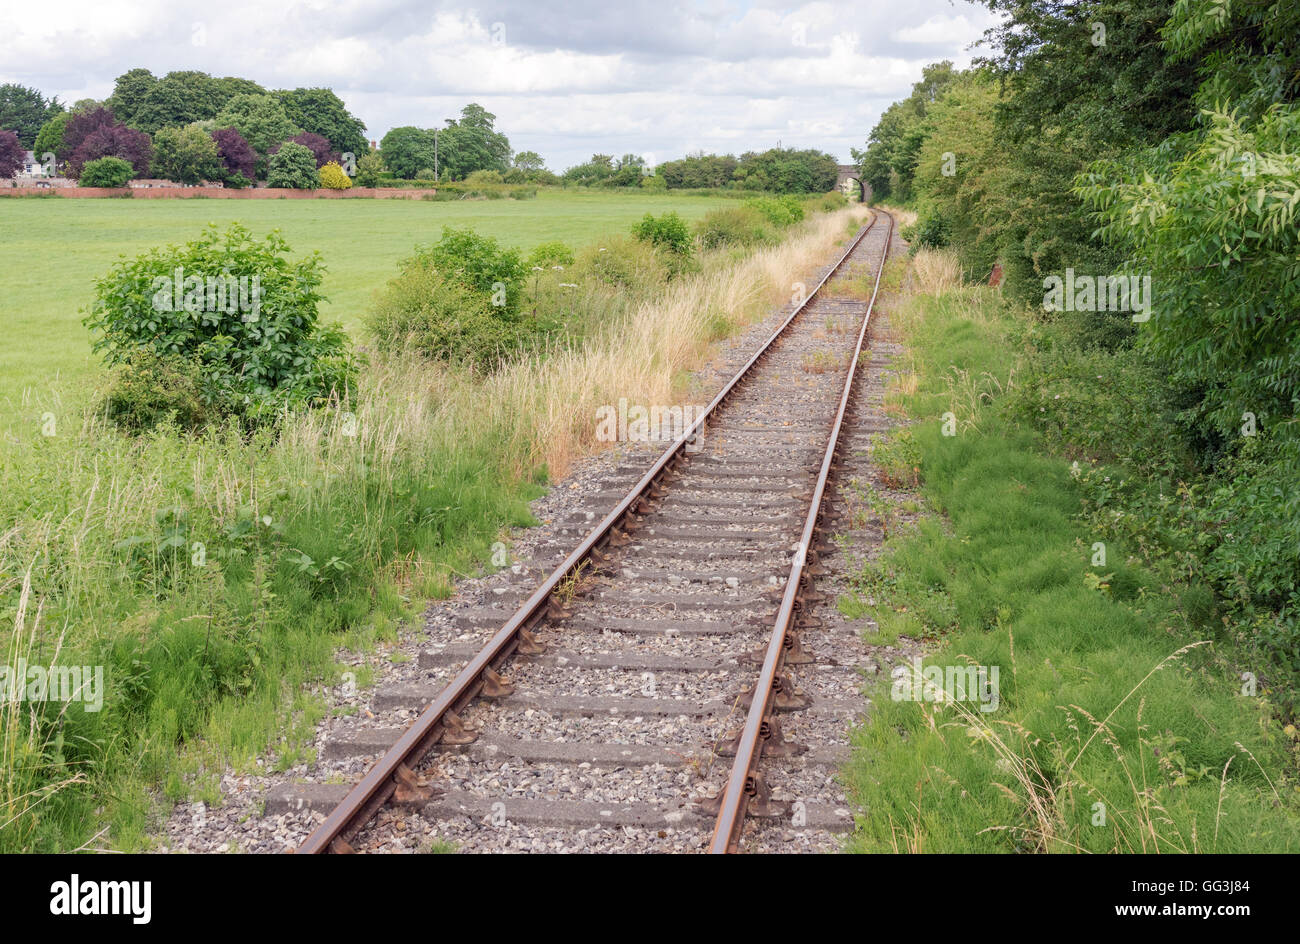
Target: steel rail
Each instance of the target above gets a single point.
(749, 747)
(396, 765)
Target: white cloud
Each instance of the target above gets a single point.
(662, 76)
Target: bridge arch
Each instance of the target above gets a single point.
(849, 172)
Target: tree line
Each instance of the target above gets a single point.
(1144, 140)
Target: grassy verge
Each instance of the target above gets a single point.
(1121, 723)
(214, 577)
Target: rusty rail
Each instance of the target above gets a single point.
(440, 719)
(742, 782)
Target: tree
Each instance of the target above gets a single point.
(12, 154)
(369, 166)
(50, 138)
(114, 141)
(595, 171)
(236, 154)
(319, 147)
(407, 151)
(81, 125)
(106, 172)
(129, 92)
(293, 166)
(23, 110)
(261, 119)
(529, 160)
(472, 143)
(186, 155)
(179, 98)
(319, 111)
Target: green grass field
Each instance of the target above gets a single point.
(54, 249)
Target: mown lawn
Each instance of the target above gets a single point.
(52, 250)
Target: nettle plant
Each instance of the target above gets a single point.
(226, 323)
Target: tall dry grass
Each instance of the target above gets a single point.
(935, 271)
(544, 408)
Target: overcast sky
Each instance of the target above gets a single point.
(654, 77)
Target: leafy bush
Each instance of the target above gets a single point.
(484, 177)
(933, 232)
(293, 166)
(479, 263)
(550, 254)
(242, 312)
(779, 211)
(106, 172)
(443, 319)
(733, 226)
(621, 263)
(148, 389)
(668, 232)
(369, 167)
(332, 177)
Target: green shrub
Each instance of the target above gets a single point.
(779, 211)
(621, 263)
(733, 226)
(106, 172)
(236, 307)
(933, 232)
(443, 319)
(149, 389)
(484, 177)
(479, 263)
(550, 254)
(668, 232)
(293, 166)
(369, 168)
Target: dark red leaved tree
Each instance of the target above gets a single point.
(12, 155)
(81, 126)
(236, 153)
(114, 141)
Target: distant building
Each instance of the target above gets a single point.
(31, 166)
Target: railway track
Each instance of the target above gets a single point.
(659, 678)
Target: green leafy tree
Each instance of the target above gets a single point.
(24, 110)
(129, 93)
(407, 151)
(179, 98)
(472, 143)
(369, 166)
(293, 166)
(261, 119)
(49, 140)
(186, 155)
(528, 160)
(320, 111)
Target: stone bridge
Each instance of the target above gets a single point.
(850, 172)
